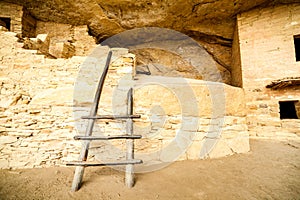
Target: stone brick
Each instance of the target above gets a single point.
(4, 164)
(7, 140)
(220, 149)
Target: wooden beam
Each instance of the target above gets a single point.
(111, 117)
(91, 164)
(110, 137)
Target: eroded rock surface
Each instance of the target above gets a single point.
(210, 22)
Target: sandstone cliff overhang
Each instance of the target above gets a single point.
(105, 18)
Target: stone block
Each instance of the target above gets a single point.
(4, 164)
(2, 129)
(6, 102)
(193, 152)
(221, 149)
(59, 96)
(7, 140)
(62, 49)
(171, 152)
(239, 144)
(15, 164)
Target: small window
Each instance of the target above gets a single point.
(5, 22)
(297, 46)
(288, 109)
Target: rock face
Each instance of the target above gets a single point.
(169, 64)
(109, 17)
(166, 52)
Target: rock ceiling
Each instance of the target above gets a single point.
(196, 18)
(210, 22)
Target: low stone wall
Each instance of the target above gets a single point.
(188, 119)
(182, 119)
(43, 99)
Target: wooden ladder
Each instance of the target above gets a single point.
(130, 161)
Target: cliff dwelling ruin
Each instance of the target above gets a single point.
(212, 75)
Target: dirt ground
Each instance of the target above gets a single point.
(270, 171)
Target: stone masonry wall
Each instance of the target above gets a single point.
(15, 13)
(65, 33)
(181, 118)
(267, 54)
(42, 100)
(36, 102)
(21, 20)
(182, 113)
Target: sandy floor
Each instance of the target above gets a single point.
(270, 171)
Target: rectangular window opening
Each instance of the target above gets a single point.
(289, 109)
(4, 21)
(297, 47)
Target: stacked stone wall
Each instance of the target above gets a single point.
(266, 41)
(37, 110)
(41, 109)
(60, 34)
(21, 20)
(15, 13)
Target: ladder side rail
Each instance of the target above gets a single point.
(129, 176)
(85, 145)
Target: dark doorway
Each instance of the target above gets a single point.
(297, 46)
(287, 110)
(5, 22)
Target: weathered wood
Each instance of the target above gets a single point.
(283, 83)
(129, 176)
(110, 137)
(86, 164)
(85, 147)
(111, 117)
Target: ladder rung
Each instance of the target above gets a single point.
(86, 164)
(111, 117)
(113, 137)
